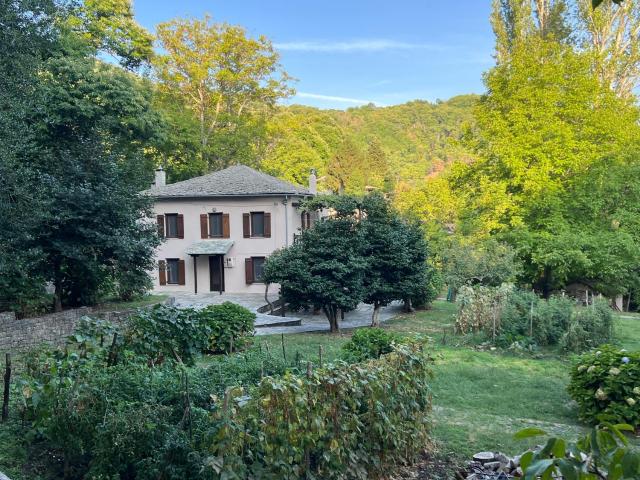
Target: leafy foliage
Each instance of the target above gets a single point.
(165, 332)
(604, 453)
(606, 385)
(354, 421)
(231, 326)
(509, 316)
(363, 252)
(225, 81)
(323, 269)
(368, 343)
(489, 263)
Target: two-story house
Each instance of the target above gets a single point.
(219, 228)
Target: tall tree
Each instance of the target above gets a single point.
(324, 269)
(540, 135)
(612, 34)
(76, 203)
(27, 34)
(110, 27)
(228, 80)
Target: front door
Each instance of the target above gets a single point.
(216, 273)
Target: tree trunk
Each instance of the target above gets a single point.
(408, 308)
(266, 298)
(57, 296)
(332, 315)
(375, 318)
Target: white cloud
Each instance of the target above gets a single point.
(355, 101)
(373, 45)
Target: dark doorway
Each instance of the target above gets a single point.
(216, 273)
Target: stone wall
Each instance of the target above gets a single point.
(53, 328)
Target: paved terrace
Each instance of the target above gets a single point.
(297, 322)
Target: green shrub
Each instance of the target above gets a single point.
(604, 453)
(525, 315)
(507, 316)
(606, 385)
(346, 421)
(165, 332)
(127, 419)
(589, 327)
(367, 343)
(230, 326)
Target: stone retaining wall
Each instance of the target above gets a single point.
(53, 328)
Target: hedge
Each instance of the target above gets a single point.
(346, 421)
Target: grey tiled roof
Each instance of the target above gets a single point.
(238, 180)
(209, 247)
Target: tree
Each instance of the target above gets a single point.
(346, 169)
(323, 269)
(541, 143)
(612, 34)
(226, 79)
(487, 263)
(109, 26)
(396, 255)
(26, 36)
(76, 206)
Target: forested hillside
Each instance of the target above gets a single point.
(379, 146)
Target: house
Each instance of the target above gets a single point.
(219, 228)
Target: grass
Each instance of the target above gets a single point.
(481, 398)
(118, 305)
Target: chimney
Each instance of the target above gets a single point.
(161, 177)
(313, 182)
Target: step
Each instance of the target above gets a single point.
(265, 321)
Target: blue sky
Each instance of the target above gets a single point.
(346, 53)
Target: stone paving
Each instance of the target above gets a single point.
(307, 321)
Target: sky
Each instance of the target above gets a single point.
(345, 53)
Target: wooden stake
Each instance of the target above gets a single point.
(284, 352)
(309, 369)
(7, 382)
(320, 355)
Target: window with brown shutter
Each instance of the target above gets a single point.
(181, 275)
(267, 225)
(248, 270)
(171, 225)
(204, 225)
(180, 226)
(160, 220)
(162, 272)
(173, 271)
(246, 225)
(215, 225)
(226, 228)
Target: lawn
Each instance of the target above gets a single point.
(119, 305)
(480, 397)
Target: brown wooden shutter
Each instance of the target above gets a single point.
(181, 272)
(267, 225)
(180, 222)
(162, 272)
(204, 225)
(160, 219)
(248, 270)
(226, 229)
(246, 225)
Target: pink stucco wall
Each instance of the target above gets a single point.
(242, 247)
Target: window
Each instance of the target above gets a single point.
(215, 225)
(257, 224)
(258, 266)
(172, 271)
(171, 229)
